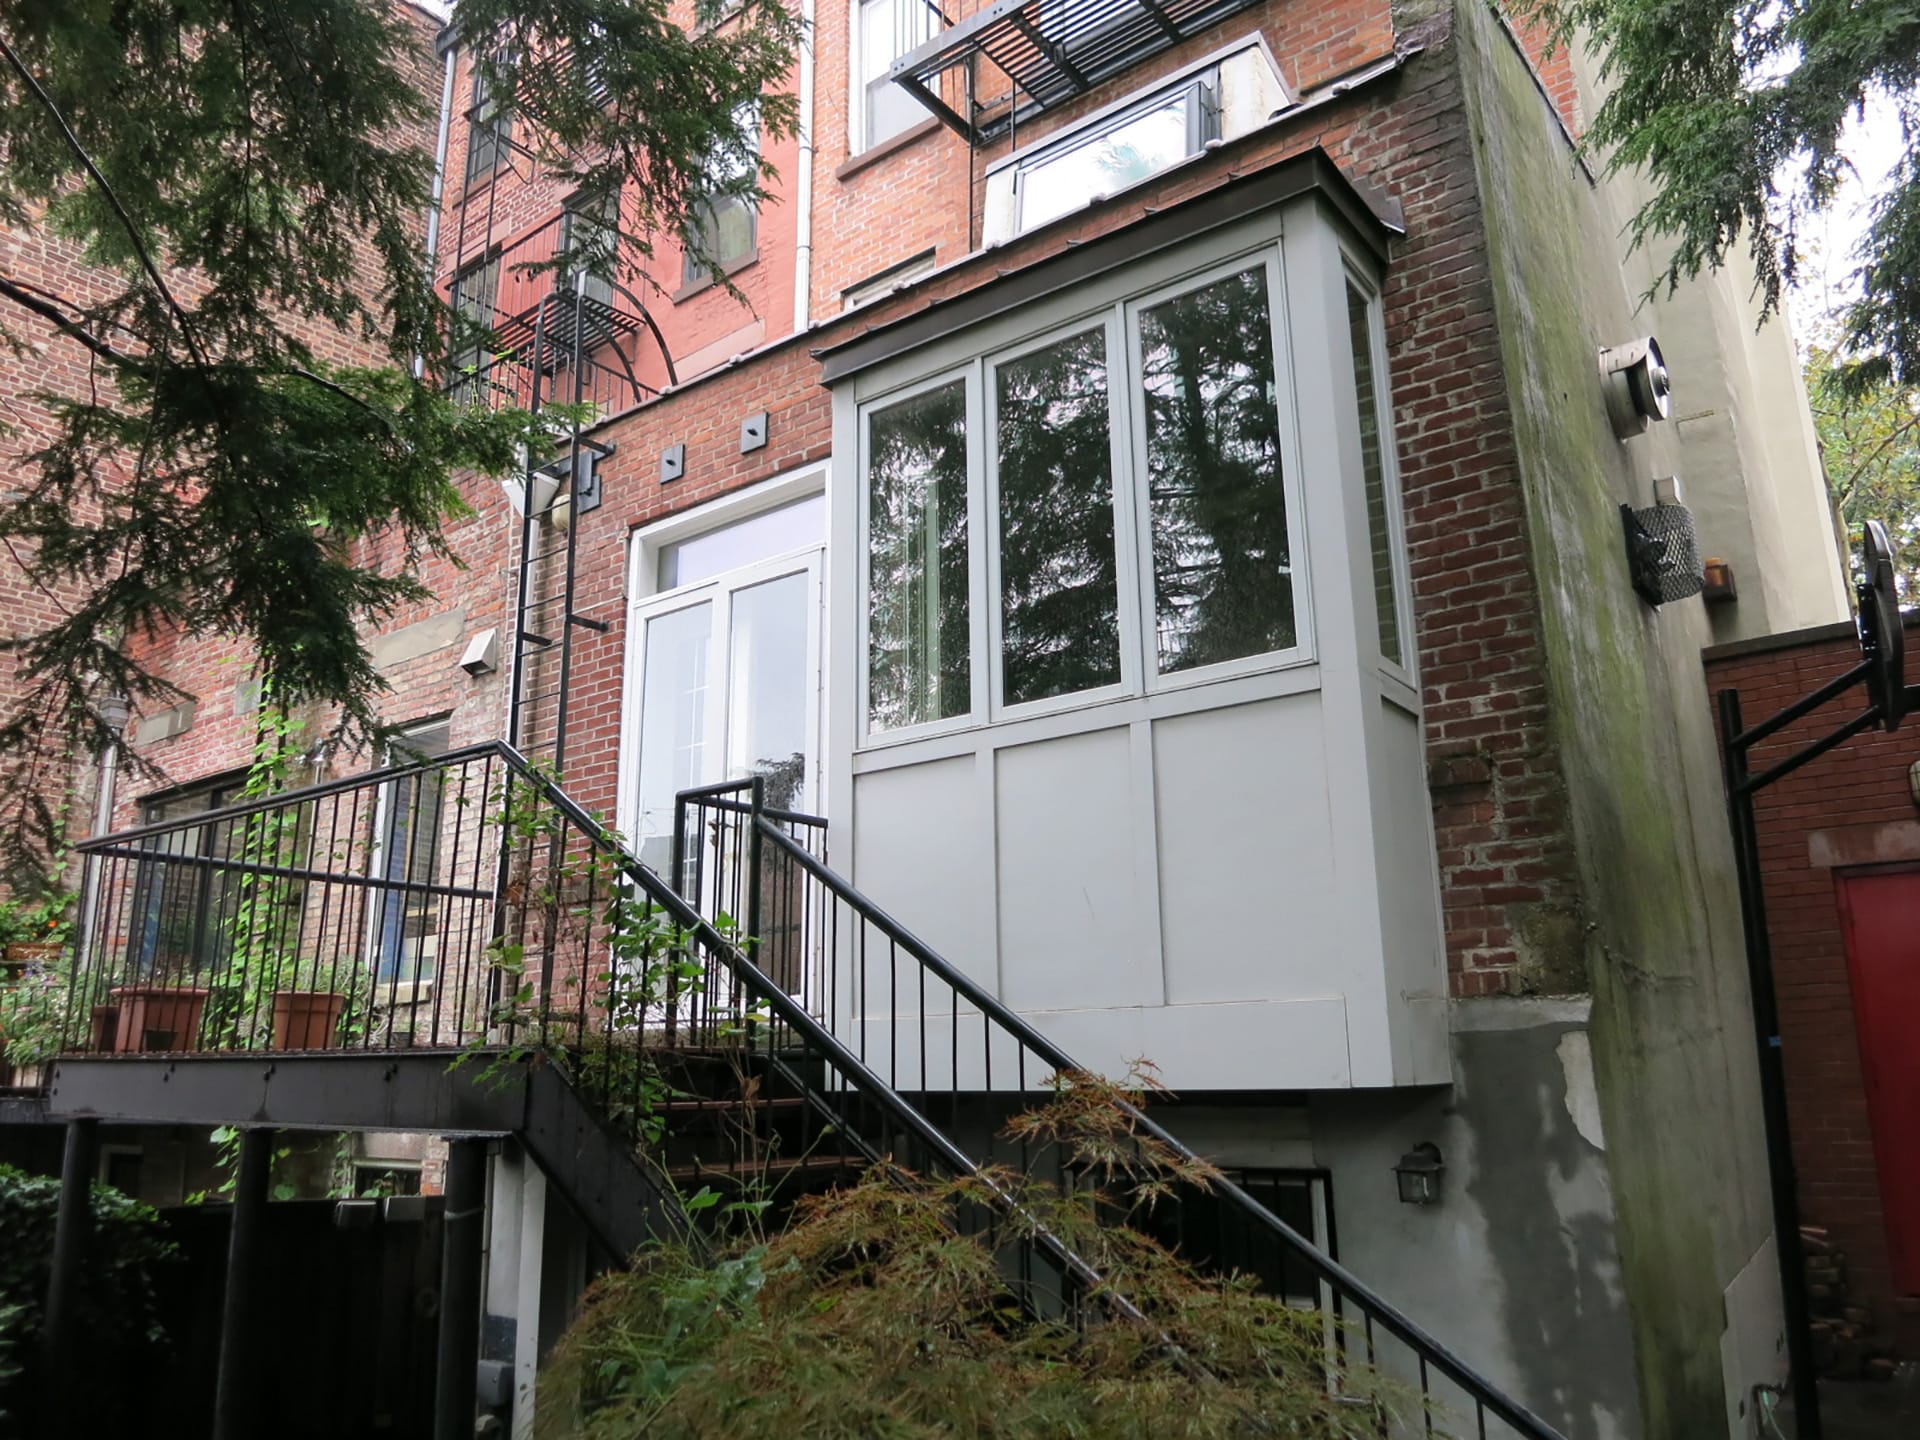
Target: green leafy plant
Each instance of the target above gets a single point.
(872, 1314)
(116, 1305)
(34, 1006)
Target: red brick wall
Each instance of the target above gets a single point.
(1861, 785)
(1505, 851)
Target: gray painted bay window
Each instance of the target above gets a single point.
(1134, 461)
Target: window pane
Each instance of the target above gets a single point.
(673, 723)
(1128, 153)
(411, 855)
(1059, 596)
(767, 689)
(888, 30)
(759, 537)
(1222, 571)
(1374, 475)
(917, 618)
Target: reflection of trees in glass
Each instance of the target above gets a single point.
(917, 556)
(1059, 594)
(1223, 573)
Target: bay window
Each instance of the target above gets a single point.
(1138, 498)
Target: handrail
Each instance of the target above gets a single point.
(1431, 1350)
(796, 1016)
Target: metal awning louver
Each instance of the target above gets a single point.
(1052, 50)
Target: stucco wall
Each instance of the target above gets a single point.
(1671, 1045)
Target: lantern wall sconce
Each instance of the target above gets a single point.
(1418, 1174)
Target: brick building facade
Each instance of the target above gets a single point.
(1582, 946)
(1848, 817)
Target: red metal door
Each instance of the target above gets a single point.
(1880, 918)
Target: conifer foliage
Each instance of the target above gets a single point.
(250, 178)
(1737, 111)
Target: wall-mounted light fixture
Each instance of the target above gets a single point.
(1634, 379)
(1418, 1174)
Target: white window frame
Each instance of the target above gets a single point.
(977, 657)
(1140, 676)
(418, 990)
(644, 594)
(858, 142)
(1203, 126)
(1404, 670)
(1121, 496)
(1301, 651)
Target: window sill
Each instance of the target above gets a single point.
(893, 145)
(706, 282)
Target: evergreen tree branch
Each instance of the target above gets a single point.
(134, 237)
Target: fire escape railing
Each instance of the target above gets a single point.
(963, 1062)
(550, 324)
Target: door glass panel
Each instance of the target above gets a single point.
(1059, 598)
(673, 711)
(759, 537)
(767, 688)
(1222, 569)
(917, 613)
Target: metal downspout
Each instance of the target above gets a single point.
(803, 182)
(439, 187)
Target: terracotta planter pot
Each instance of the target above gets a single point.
(158, 1017)
(103, 1029)
(306, 1019)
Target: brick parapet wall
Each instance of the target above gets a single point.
(1863, 783)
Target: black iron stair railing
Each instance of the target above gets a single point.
(467, 905)
(962, 1062)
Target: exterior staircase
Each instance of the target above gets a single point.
(497, 962)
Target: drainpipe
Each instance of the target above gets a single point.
(803, 182)
(439, 186)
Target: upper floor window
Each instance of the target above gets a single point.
(489, 130)
(475, 293)
(884, 30)
(1139, 143)
(590, 239)
(1218, 98)
(726, 224)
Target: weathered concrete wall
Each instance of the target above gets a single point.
(1516, 1265)
(1515, 1268)
(1672, 1051)
(1748, 455)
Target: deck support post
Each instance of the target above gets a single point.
(72, 1224)
(234, 1381)
(456, 1370)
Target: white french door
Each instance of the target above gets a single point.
(728, 688)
